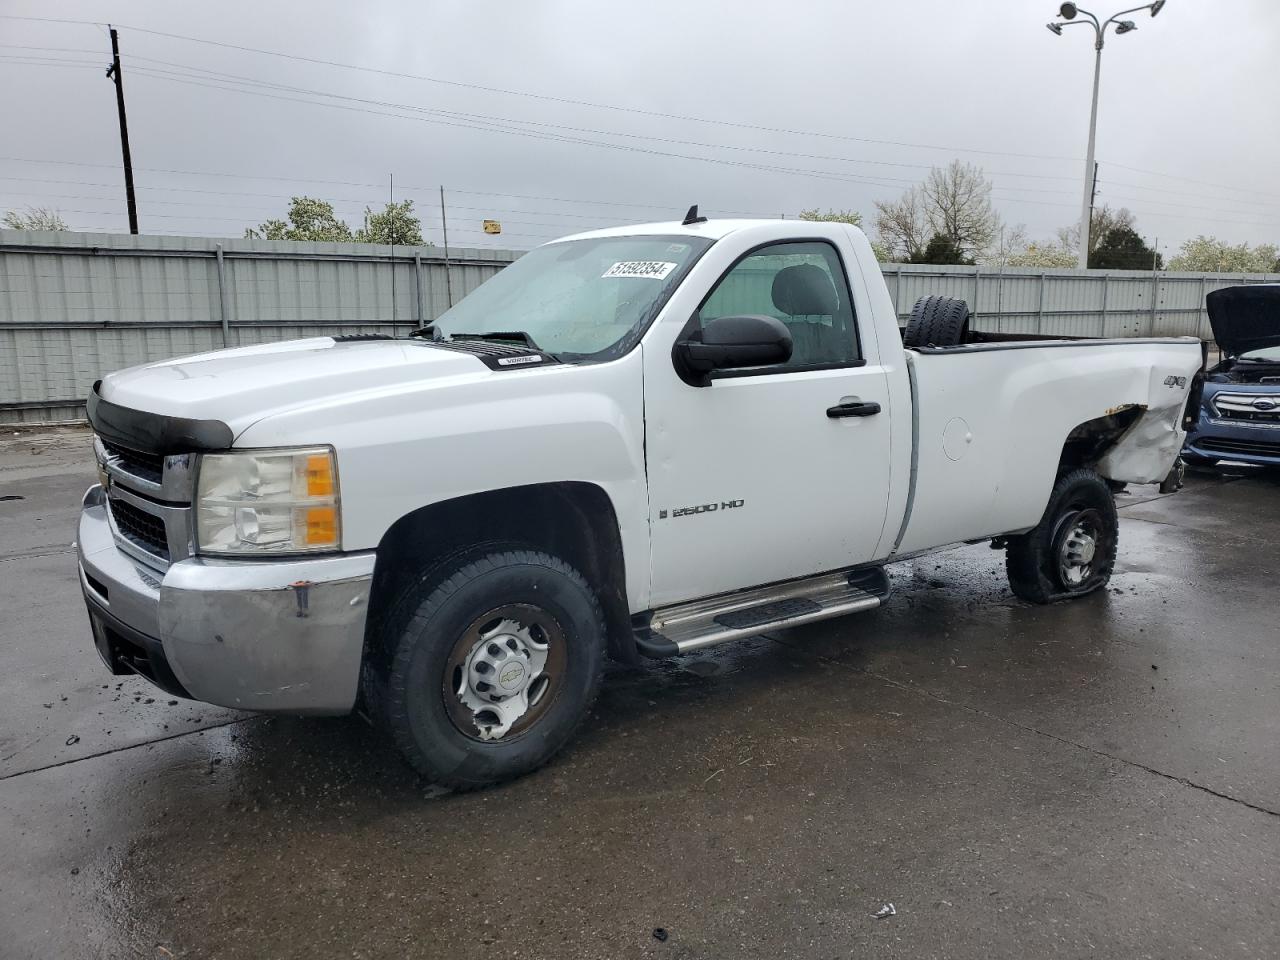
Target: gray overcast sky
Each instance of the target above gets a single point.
(1188, 134)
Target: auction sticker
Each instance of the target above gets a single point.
(654, 269)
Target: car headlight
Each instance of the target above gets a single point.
(268, 502)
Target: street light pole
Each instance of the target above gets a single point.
(1069, 12)
(1090, 170)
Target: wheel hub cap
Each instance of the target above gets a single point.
(502, 676)
(1077, 549)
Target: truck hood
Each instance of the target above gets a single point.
(243, 385)
(1245, 317)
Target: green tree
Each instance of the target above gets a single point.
(953, 201)
(309, 219)
(36, 218)
(1122, 249)
(1211, 255)
(395, 224)
(832, 216)
(942, 249)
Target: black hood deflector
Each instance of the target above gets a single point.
(154, 432)
(1245, 317)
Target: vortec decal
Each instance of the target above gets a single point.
(519, 361)
(701, 508)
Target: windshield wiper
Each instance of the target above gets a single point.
(517, 336)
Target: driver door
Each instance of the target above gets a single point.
(755, 478)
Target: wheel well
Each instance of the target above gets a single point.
(573, 521)
(1089, 441)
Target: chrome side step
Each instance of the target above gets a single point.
(685, 627)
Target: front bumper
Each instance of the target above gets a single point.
(282, 636)
(1218, 439)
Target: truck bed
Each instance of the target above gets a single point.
(990, 420)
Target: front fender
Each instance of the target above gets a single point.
(412, 446)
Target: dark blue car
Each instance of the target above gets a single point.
(1240, 408)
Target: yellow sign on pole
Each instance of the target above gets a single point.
(491, 226)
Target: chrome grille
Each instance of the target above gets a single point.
(149, 501)
(142, 529)
(1248, 408)
(148, 466)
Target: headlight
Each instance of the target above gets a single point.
(268, 502)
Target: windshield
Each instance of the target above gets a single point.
(1263, 355)
(588, 299)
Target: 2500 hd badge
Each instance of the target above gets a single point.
(701, 508)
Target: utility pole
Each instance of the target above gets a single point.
(1093, 201)
(113, 74)
(444, 227)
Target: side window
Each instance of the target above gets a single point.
(804, 286)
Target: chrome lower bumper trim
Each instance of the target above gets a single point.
(283, 636)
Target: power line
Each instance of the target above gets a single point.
(612, 107)
(494, 127)
(1252, 201)
(78, 23)
(1203, 183)
(557, 99)
(196, 72)
(18, 46)
(587, 103)
(671, 208)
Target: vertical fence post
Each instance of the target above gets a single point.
(1000, 298)
(1040, 308)
(417, 285)
(222, 298)
(1155, 293)
(1102, 325)
(1201, 314)
(977, 281)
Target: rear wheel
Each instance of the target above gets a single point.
(1072, 551)
(493, 664)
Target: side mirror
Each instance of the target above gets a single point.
(727, 343)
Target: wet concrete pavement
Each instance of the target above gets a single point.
(1098, 778)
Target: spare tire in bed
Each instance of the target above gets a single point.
(937, 322)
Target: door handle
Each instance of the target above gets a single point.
(854, 408)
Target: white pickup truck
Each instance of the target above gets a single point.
(638, 441)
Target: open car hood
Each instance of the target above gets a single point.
(1245, 317)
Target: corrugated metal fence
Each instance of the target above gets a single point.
(1071, 303)
(75, 306)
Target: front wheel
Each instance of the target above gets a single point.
(494, 663)
(1072, 551)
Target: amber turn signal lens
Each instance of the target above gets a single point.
(321, 526)
(319, 471)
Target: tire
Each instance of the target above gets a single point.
(1191, 460)
(937, 322)
(470, 616)
(1072, 551)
